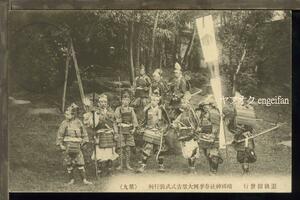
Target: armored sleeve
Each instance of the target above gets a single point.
(84, 134)
(134, 119)
(193, 120)
(148, 80)
(118, 115)
(160, 120)
(183, 86)
(61, 133)
(176, 122)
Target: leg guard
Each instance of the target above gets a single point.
(145, 158)
(191, 161)
(214, 166)
(82, 172)
(70, 171)
(245, 168)
(127, 157)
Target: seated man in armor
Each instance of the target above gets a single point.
(208, 140)
(71, 136)
(153, 137)
(127, 123)
(245, 149)
(141, 86)
(105, 144)
(186, 126)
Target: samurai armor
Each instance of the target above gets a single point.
(185, 134)
(106, 139)
(206, 129)
(141, 92)
(73, 148)
(241, 146)
(245, 116)
(246, 156)
(246, 121)
(206, 141)
(152, 136)
(142, 83)
(125, 129)
(215, 117)
(126, 125)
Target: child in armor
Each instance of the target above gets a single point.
(127, 123)
(71, 136)
(153, 134)
(105, 145)
(208, 139)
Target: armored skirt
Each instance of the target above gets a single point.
(103, 154)
(153, 142)
(190, 149)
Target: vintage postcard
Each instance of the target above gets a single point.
(149, 101)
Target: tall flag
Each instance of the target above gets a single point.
(206, 32)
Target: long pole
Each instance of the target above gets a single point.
(94, 130)
(66, 80)
(119, 128)
(261, 133)
(77, 71)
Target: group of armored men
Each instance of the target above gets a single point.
(196, 128)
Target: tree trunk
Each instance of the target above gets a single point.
(160, 58)
(237, 71)
(165, 54)
(137, 59)
(189, 50)
(175, 49)
(153, 41)
(131, 51)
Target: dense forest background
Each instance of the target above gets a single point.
(254, 48)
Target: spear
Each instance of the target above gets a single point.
(94, 129)
(256, 135)
(119, 128)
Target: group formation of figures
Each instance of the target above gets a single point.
(151, 113)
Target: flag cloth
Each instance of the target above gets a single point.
(206, 32)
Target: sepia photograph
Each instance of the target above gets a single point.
(150, 101)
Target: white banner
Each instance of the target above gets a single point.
(206, 32)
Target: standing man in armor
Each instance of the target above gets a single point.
(141, 86)
(245, 150)
(186, 125)
(154, 141)
(71, 136)
(127, 123)
(179, 89)
(208, 139)
(105, 144)
(158, 85)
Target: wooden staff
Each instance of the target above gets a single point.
(66, 80)
(77, 71)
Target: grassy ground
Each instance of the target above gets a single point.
(36, 164)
